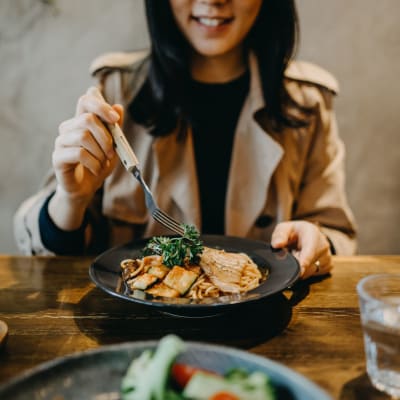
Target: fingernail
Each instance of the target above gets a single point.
(110, 154)
(113, 115)
(276, 241)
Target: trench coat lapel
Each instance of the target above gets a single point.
(255, 156)
(254, 160)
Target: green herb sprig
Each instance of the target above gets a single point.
(176, 250)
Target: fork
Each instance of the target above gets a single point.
(130, 162)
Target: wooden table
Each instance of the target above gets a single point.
(53, 309)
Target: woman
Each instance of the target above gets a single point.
(232, 136)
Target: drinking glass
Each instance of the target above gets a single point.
(379, 298)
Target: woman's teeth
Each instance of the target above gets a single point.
(211, 21)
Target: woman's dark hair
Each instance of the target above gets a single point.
(162, 103)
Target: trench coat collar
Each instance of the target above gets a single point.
(254, 158)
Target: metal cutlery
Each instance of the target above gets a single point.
(130, 162)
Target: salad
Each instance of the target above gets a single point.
(155, 375)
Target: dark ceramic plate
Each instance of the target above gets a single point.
(282, 268)
(96, 374)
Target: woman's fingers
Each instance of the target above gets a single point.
(90, 102)
(320, 266)
(323, 264)
(93, 114)
(87, 129)
(120, 110)
(283, 235)
(308, 244)
(84, 152)
(315, 258)
(67, 158)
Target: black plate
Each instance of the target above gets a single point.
(283, 270)
(97, 374)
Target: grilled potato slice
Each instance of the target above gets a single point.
(159, 271)
(162, 290)
(142, 282)
(180, 279)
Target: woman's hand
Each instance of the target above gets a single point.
(308, 244)
(83, 157)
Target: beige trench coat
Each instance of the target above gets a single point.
(273, 177)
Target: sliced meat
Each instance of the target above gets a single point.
(224, 268)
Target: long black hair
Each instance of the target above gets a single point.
(162, 103)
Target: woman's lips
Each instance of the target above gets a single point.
(212, 22)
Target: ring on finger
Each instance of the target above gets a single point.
(317, 265)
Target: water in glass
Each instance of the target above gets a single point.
(381, 327)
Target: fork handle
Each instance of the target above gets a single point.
(123, 148)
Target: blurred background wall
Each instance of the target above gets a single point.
(47, 46)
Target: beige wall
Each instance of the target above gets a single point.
(45, 53)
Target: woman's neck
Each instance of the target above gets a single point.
(218, 69)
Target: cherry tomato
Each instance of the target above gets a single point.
(181, 373)
(224, 396)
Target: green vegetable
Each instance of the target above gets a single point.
(147, 376)
(176, 250)
(254, 386)
(172, 395)
(131, 380)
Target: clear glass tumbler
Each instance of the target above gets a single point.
(379, 297)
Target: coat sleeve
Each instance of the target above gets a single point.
(26, 220)
(27, 227)
(322, 196)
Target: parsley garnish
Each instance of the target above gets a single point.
(176, 250)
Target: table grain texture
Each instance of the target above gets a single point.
(53, 309)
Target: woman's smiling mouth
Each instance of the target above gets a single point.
(212, 21)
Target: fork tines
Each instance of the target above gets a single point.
(168, 221)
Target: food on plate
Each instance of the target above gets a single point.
(157, 376)
(177, 250)
(183, 267)
(230, 272)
